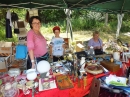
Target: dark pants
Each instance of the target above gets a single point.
(38, 59)
(57, 58)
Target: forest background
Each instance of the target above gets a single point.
(84, 22)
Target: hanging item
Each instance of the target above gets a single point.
(14, 17)
(16, 29)
(27, 16)
(8, 25)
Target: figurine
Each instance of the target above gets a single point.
(82, 64)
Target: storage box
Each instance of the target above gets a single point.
(22, 37)
(110, 66)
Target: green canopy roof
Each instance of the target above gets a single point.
(112, 6)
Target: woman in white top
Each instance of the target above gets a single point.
(57, 45)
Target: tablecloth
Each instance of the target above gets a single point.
(73, 92)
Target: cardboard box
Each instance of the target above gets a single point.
(22, 37)
(5, 48)
(78, 49)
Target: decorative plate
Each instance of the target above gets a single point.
(94, 69)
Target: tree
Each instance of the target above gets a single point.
(53, 15)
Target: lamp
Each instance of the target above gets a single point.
(43, 68)
(31, 75)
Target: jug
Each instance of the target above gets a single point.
(31, 74)
(116, 56)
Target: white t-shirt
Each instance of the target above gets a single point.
(57, 46)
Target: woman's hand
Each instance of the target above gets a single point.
(51, 56)
(33, 65)
(97, 47)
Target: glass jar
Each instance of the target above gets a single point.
(9, 91)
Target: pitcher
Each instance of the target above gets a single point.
(116, 56)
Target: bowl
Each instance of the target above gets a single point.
(30, 70)
(31, 74)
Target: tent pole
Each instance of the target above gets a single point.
(68, 27)
(106, 19)
(71, 32)
(119, 17)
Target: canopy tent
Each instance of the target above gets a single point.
(112, 6)
(108, 6)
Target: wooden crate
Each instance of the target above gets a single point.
(5, 48)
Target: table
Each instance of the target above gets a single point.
(73, 92)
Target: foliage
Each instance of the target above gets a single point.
(81, 20)
(95, 15)
(21, 14)
(47, 28)
(52, 15)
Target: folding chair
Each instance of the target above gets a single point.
(19, 60)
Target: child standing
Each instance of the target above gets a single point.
(57, 45)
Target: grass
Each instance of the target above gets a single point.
(86, 35)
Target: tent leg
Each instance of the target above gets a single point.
(106, 19)
(119, 17)
(69, 27)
